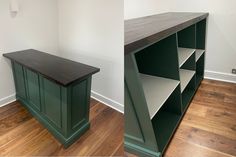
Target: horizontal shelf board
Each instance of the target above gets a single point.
(157, 90)
(199, 53)
(164, 126)
(185, 77)
(184, 54)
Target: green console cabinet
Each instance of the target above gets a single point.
(55, 90)
(164, 65)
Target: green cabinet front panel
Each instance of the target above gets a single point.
(33, 89)
(19, 80)
(51, 101)
(63, 110)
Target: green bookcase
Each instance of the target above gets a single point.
(161, 79)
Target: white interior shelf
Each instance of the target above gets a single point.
(157, 90)
(184, 54)
(199, 53)
(185, 77)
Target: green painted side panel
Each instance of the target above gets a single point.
(19, 80)
(52, 102)
(33, 91)
(79, 107)
(132, 124)
(160, 59)
(145, 137)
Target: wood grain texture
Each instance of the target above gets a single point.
(141, 32)
(22, 135)
(57, 69)
(208, 129)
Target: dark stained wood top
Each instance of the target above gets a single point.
(141, 32)
(57, 69)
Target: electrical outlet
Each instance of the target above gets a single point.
(233, 71)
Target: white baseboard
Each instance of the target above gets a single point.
(226, 77)
(7, 100)
(109, 102)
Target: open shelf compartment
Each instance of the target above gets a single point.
(184, 54)
(188, 93)
(157, 90)
(166, 120)
(185, 77)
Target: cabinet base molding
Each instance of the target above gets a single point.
(135, 149)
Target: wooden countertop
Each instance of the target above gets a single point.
(144, 31)
(57, 69)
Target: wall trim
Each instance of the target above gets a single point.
(219, 76)
(7, 100)
(107, 101)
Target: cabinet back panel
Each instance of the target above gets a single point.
(160, 59)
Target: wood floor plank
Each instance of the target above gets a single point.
(8, 123)
(182, 148)
(119, 150)
(206, 139)
(211, 132)
(23, 135)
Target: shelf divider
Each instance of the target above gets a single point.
(185, 77)
(157, 90)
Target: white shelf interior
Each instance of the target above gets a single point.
(198, 53)
(184, 54)
(185, 77)
(157, 90)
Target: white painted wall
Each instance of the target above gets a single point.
(140, 8)
(35, 26)
(88, 31)
(221, 35)
(91, 32)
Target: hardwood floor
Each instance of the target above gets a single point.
(23, 135)
(208, 128)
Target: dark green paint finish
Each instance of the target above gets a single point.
(64, 111)
(160, 59)
(134, 98)
(188, 93)
(190, 64)
(33, 90)
(201, 34)
(51, 101)
(79, 101)
(132, 124)
(200, 69)
(140, 151)
(167, 119)
(187, 37)
(19, 80)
